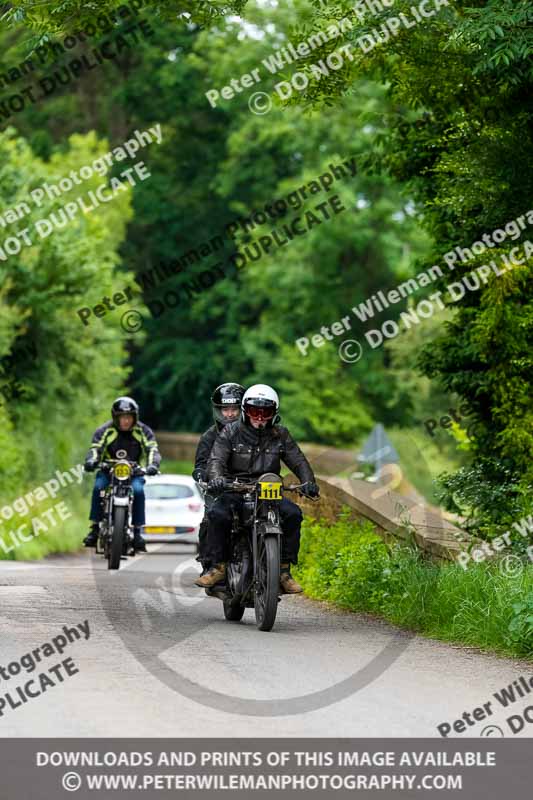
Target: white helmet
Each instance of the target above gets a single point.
(261, 403)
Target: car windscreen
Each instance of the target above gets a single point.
(167, 491)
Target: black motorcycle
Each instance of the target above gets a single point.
(253, 566)
(115, 534)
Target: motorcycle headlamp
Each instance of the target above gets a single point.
(122, 471)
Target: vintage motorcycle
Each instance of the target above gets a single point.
(115, 534)
(253, 566)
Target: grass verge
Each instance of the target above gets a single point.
(348, 564)
(44, 528)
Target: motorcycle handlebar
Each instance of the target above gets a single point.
(237, 486)
(298, 488)
(109, 462)
(230, 487)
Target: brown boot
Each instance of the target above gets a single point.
(216, 573)
(287, 582)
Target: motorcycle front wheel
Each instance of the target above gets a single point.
(116, 548)
(267, 586)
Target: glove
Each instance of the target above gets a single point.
(311, 488)
(216, 485)
(151, 469)
(199, 474)
(90, 465)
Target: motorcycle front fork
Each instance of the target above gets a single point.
(104, 529)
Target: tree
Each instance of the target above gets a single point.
(67, 374)
(228, 163)
(461, 140)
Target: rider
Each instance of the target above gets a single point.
(226, 403)
(124, 436)
(245, 450)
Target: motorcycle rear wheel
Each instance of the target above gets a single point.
(117, 539)
(267, 588)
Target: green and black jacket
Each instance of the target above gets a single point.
(138, 444)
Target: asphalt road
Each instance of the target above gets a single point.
(162, 661)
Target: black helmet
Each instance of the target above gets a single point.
(124, 405)
(226, 395)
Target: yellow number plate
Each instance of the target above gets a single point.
(162, 529)
(270, 491)
(122, 471)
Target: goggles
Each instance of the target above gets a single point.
(258, 412)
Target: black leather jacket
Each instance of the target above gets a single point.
(243, 452)
(203, 451)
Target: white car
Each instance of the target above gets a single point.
(174, 509)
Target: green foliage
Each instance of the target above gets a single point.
(71, 382)
(244, 327)
(500, 32)
(460, 137)
(53, 18)
(348, 564)
(487, 495)
(319, 403)
(63, 537)
(520, 631)
(169, 467)
(423, 397)
(439, 121)
(422, 460)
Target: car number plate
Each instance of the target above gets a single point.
(161, 529)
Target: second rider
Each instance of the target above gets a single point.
(245, 450)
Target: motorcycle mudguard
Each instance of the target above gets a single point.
(267, 528)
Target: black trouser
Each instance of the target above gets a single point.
(202, 543)
(203, 546)
(220, 518)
